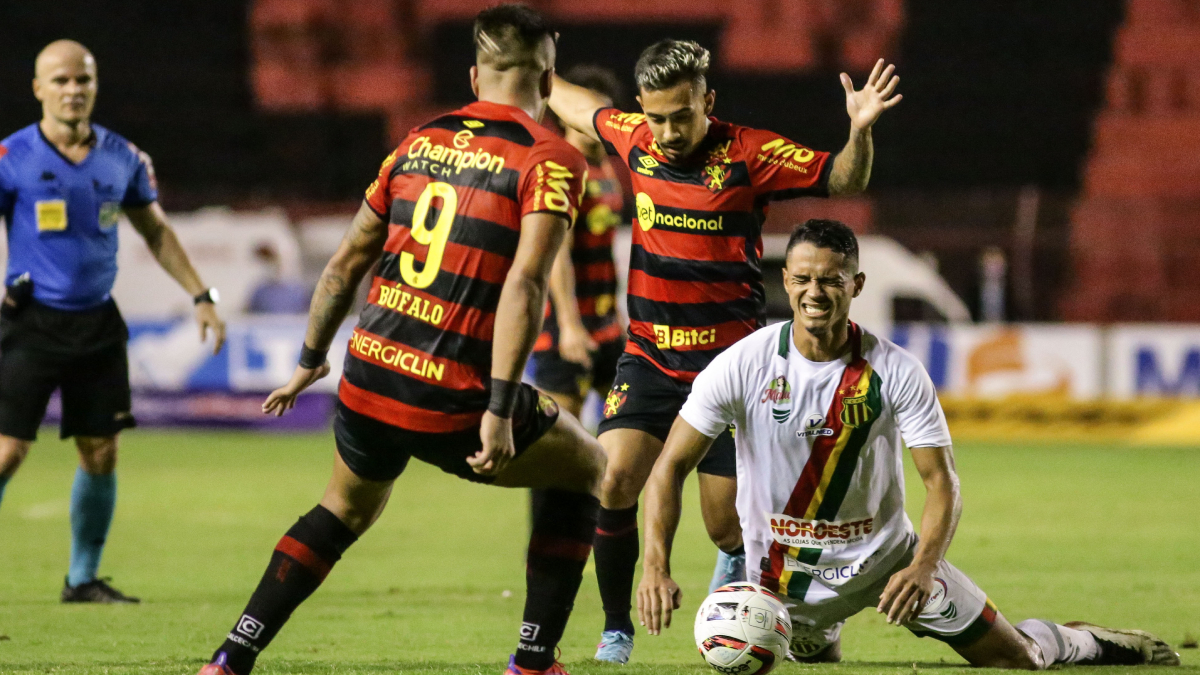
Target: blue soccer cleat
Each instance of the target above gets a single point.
(614, 647)
(730, 569)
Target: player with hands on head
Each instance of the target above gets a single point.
(64, 182)
(702, 190)
(823, 410)
(461, 227)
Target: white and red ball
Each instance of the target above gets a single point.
(743, 629)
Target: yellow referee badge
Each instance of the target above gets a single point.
(52, 215)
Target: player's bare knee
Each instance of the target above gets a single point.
(621, 486)
(97, 454)
(12, 453)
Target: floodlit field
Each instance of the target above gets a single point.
(1107, 534)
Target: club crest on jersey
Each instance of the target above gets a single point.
(855, 411)
(779, 394)
(715, 176)
(616, 399)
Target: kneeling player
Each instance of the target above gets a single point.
(461, 227)
(821, 407)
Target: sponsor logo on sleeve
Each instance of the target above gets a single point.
(779, 152)
(795, 532)
(625, 122)
(473, 124)
(553, 187)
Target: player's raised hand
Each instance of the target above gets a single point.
(867, 104)
(206, 316)
(906, 594)
(657, 596)
(498, 449)
(283, 399)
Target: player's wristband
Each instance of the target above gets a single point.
(312, 358)
(504, 397)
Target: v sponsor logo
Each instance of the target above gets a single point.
(814, 426)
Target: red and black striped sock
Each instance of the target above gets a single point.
(563, 526)
(616, 556)
(300, 562)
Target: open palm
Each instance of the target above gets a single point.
(867, 104)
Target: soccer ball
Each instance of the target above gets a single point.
(743, 629)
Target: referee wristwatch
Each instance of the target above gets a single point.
(211, 296)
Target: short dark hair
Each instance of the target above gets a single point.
(822, 233)
(666, 63)
(597, 78)
(509, 36)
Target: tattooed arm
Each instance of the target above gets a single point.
(360, 248)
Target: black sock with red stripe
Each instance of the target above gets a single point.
(616, 556)
(302, 559)
(559, 546)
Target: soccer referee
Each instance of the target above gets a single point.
(63, 183)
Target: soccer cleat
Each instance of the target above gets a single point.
(730, 569)
(1127, 647)
(513, 669)
(215, 669)
(97, 591)
(614, 647)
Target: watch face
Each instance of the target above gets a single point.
(216, 297)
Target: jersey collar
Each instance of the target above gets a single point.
(785, 340)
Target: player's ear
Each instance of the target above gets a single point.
(475, 80)
(710, 99)
(37, 89)
(859, 280)
(639, 100)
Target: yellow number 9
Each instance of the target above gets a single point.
(434, 238)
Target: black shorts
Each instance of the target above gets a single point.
(554, 374)
(378, 451)
(82, 353)
(645, 398)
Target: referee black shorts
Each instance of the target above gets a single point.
(80, 353)
(645, 398)
(378, 451)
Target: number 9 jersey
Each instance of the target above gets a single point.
(453, 195)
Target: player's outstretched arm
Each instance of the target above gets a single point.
(151, 222)
(574, 342)
(658, 595)
(332, 300)
(576, 106)
(852, 167)
(518, 321)
(909, 589)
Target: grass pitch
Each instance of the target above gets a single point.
(1103, 533)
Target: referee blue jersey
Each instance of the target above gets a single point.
(62, 216)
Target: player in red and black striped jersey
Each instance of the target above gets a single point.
(702, 189)
(461, 227)
(582, 338)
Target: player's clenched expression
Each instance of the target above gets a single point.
(820, 284)
(66, 85)
(678, 117)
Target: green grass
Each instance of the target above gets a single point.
(1107, 534)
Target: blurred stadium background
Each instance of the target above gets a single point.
(1031, 232)
(1031, 219)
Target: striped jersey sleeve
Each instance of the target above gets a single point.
(616, 129)
(553, 181)
(784, 169)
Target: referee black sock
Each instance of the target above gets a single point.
(559, 546)
(300, 562)
(616, 555)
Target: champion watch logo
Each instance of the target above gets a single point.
(779, 394)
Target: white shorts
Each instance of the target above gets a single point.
(958, 613)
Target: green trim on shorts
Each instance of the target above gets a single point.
(971, 634)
